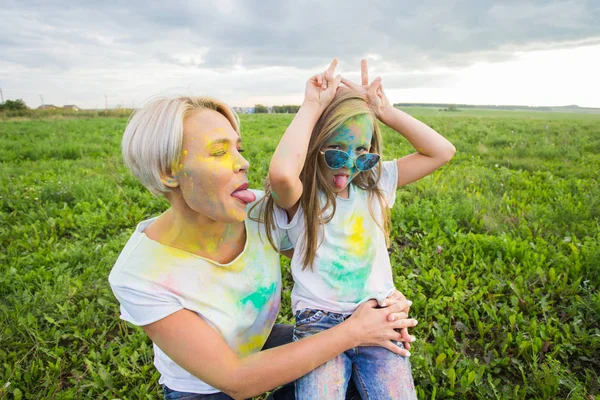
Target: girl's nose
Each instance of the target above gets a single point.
(350, 162)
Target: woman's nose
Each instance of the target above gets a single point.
(241, 164)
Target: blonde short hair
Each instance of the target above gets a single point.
(152, 141)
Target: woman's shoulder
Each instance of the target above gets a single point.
(137, 252)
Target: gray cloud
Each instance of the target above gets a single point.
(218, 36)
(301, 34)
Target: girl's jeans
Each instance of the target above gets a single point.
(378, 373)
(280, 334)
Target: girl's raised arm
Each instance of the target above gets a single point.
(290, 155)
(433, 150)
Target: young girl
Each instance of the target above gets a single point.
(332, 194)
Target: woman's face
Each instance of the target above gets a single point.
(212, 174)
(354, 137)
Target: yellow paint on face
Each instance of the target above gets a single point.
(210, 167)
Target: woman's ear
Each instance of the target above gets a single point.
(170, 181)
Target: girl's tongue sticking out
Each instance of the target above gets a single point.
(340, 181)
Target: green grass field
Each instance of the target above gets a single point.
(499, 251)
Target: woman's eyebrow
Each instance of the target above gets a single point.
(222, 141)
(218, 141)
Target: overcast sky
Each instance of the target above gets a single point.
(247, 52)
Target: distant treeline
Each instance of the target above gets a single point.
(449, 106)
(64, 113)
(13, 105)
(287, 109)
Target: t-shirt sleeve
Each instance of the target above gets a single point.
(142, 302)
(280, 236)
(389, 181)
(280, 230)
(282, 219)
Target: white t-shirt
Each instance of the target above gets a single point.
(240, 300)
(352, 264)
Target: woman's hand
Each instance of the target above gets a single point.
(373, 326)
(320, 88)
(393, 299)
(373, 93)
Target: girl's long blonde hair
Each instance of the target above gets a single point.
(346, 104)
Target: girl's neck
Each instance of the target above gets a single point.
(344, 193)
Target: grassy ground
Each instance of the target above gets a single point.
(499, 251)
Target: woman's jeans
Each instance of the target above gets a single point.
(378, 373)
(280, 334)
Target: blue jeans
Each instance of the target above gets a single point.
(280, 334)
(377, 372)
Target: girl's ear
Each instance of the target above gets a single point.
(170, 181)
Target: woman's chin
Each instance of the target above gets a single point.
(240, 217)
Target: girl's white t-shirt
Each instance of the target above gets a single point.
(352, 264)
(240, 300)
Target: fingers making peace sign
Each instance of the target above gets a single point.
(320, 88)
(373, 93)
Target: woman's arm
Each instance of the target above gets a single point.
(289, 157)
(433, 150)
(191, 343)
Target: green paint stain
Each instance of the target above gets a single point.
(275, 197)
(347, 275)
(260, 297)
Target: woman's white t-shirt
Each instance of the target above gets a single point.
(240, 300)
(352, 264)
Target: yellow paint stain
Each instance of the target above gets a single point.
(253, 345)
(357, 236)
(161, 261)
(233, 268)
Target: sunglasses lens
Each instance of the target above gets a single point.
(365, 162)
(335, 159)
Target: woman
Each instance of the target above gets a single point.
(201, 279)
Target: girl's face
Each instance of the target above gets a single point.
(212, 174)
(354, 137)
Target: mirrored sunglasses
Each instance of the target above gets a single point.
(336, 159)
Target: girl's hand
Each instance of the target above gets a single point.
(371, 326)
(393, 299)
(320, 88)
(373, 93)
